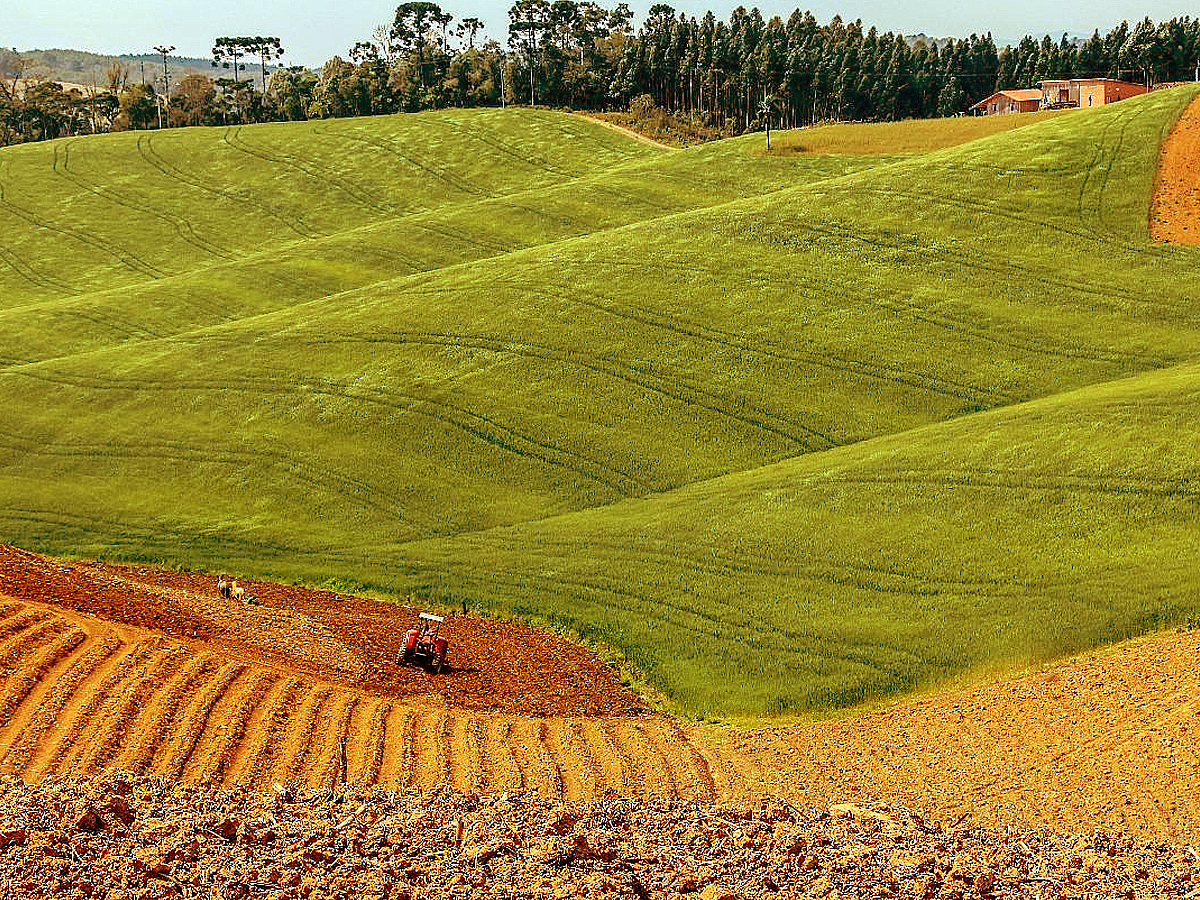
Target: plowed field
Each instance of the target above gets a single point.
(1175, 211)
(151, 672)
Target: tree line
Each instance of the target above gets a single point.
(736, 75)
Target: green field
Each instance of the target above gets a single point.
(790, 431)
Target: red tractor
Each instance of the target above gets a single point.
(426, 643)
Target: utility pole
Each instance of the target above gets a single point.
(164, 50)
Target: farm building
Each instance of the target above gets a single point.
(1009, 102)
(1083, 92)
(1086, 93)
(1058, 94)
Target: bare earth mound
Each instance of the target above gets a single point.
(149, 672)
(1175, 210)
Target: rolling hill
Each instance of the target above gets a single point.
(792, 432)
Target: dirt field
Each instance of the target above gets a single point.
(119, 838)
(1175, 211)
(150, 672)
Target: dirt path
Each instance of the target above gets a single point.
(104, 667)
(628, 132)
(1175, 209)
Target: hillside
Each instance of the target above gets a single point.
(150, 674)
(86, 70)
(820, 428)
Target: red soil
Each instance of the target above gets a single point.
(1175, 210)
(494, 666)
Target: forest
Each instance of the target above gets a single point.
(726, 76)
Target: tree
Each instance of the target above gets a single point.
(766, 110)
(469, 27)
(1138, 50)
(46, 111)
(12, 67)
(194, 102)
(138, 108)
(414, 32)
(266, 49)
(227, 51)
(293, 89)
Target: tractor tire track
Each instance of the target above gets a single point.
(155, 160)
(322, 174)
(181, 226)
(125, 257)
(453, 181)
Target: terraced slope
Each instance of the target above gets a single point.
(302, 684)
(82, 695)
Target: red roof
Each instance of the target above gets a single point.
(1022, 96)
(1026, 94)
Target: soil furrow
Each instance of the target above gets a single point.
(688, 766)
(86, 712)
(25, 640)
(503, 770)
(651, 777)
(212, 759)
(164, 711)
(41, 707)
(261, 765)
(300, 735)
(323, 762)
(575, 764)
(23, 691)
(395, 764)
(538, 771)
(59, 713)
(467, 753)
(428, 755)
(123, 716)
(615, 769)
(373, 742)
(196, 722)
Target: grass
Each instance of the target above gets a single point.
(905, 137)
(789, 432)
(833, 579)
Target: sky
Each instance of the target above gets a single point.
(313, 32)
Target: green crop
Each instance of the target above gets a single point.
(791, 432)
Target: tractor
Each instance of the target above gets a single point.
(426, 644)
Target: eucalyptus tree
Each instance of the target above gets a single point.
(415, 34)
(766, 112)
(529, 28)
